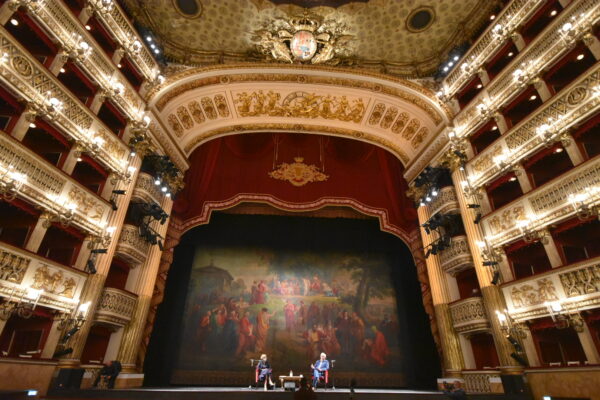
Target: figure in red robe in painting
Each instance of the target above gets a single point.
(290, 312)
(203, 330)
(246, 336)
(379, 350)
(262, 329)
(261, 293)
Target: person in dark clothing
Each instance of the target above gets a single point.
(454, 392)
(109, 372)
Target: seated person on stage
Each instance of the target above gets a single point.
(265, 371)
(319, 369)
(109, 373)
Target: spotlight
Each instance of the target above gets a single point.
(495, 278)
(427, 253)
(91, 267)
(515, 343)
(168, 195)
(473, 206)
(434, 192)
(477, 218)
(157, 181)
(163, 189)
(428, 199)
(119, 191)
(490, 263)
(69, 334)
(160, 245)
(113, 204)
(99, 251)
(519, 359)
(63, 352)
(132, 153)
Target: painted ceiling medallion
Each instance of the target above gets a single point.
(304, 39)
(298, 173)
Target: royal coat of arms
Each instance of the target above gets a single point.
(298, 173)
(304, 39)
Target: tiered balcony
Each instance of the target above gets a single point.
(469, 315)
(457, 257)
(444, 202)
(26, 175)
(576, 287)
(115, 20)
(47, 97)
(146, 190)
(115, 307)
(512, 16)
(68, 31)
(574, 104)
(576, 192)
(21, 270)
(131, 247)
(549, 46)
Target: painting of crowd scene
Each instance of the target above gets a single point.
(292, 306)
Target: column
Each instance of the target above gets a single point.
(551, 250)
(483, 76)
(84, 254)
(2, 325)
(98, 100)
(95, 283)
(518, 40)
(542, 88)
(53, 337)
(452, 287)
(71, 160)
(467, 350)
(504, 267)
(5, 13)
(38, 233)
(522, 178)
(501, 122)
(23, 123)
(59, 61)
(492, 296)
(451, 352)
(573, 151)
(587, 342)
(593, 44)
(529, 347)
(113, 344)
(141, 281)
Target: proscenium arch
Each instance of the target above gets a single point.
(200, 104)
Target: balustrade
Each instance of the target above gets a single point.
(486, 381)
(457, 257)
(115, 307)
(468, 315)
(131, 246)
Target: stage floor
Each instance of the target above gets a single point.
(236, 393)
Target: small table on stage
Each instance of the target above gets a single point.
(292, 379)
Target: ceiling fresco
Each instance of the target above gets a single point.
(222, 31)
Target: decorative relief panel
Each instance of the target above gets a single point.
(411, 129)
(196, 111)
(116, 307)
(389, 117)
(20, 270)
(87, 205)
(581, 281)
(419, 137)
(506, 219)
(533, 293)
(400, 123)
(376, 114)
(469, 315)
(184, 117)
(222, 106)
(209, 107)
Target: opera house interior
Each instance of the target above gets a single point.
(412, 187)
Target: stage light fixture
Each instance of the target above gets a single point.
(69, 334)
(519, 359)
(428, 253)
(495, 278)
(473, 206)
(477, 218)
(113, 204)
(63, 352)
(99, 251)
(515, 343)
(119, 192)
(91, 268)
(160, 246)
(490, 263)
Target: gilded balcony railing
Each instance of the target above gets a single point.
(131, 246)
(550, 45)
(469, 315)
(576, 103)
(576, 287)
(511, 17)
(21, 270)
(457, 257)
(445, 201)
(146, 190)
(115, 307)
(26, 175)
(575, 193)
(485, 381)
(47, 97)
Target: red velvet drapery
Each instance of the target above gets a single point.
(237, 167)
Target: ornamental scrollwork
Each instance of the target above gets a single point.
(53, 281)
(530, 295)
(86, 205)
(12, 266)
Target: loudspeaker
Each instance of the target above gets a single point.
(289, 385)
(514, 384)
(69, 378)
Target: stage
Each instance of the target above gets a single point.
(237, 393)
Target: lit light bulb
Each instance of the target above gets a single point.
(164, 189)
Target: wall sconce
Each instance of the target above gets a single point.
(583, 203)
(23, 306)
(73, 322)
(11, 182)
(52, 105)
(564, 318)
(485, 110)
(470, 191)
(509, 326)
(103, 239)
(530, 235)
(134, 47)
(116, 88)
(526, 73)
(102, 6)
(64, 214)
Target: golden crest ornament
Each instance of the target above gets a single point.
(298, 173)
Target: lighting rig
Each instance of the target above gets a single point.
(430, 181)
(143, 214)
(448, 224)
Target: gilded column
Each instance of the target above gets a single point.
(143, 286)
(492, 296)
(451, 351)
(95, 282)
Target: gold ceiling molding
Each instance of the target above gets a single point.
(437, 114)
(317, 129)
